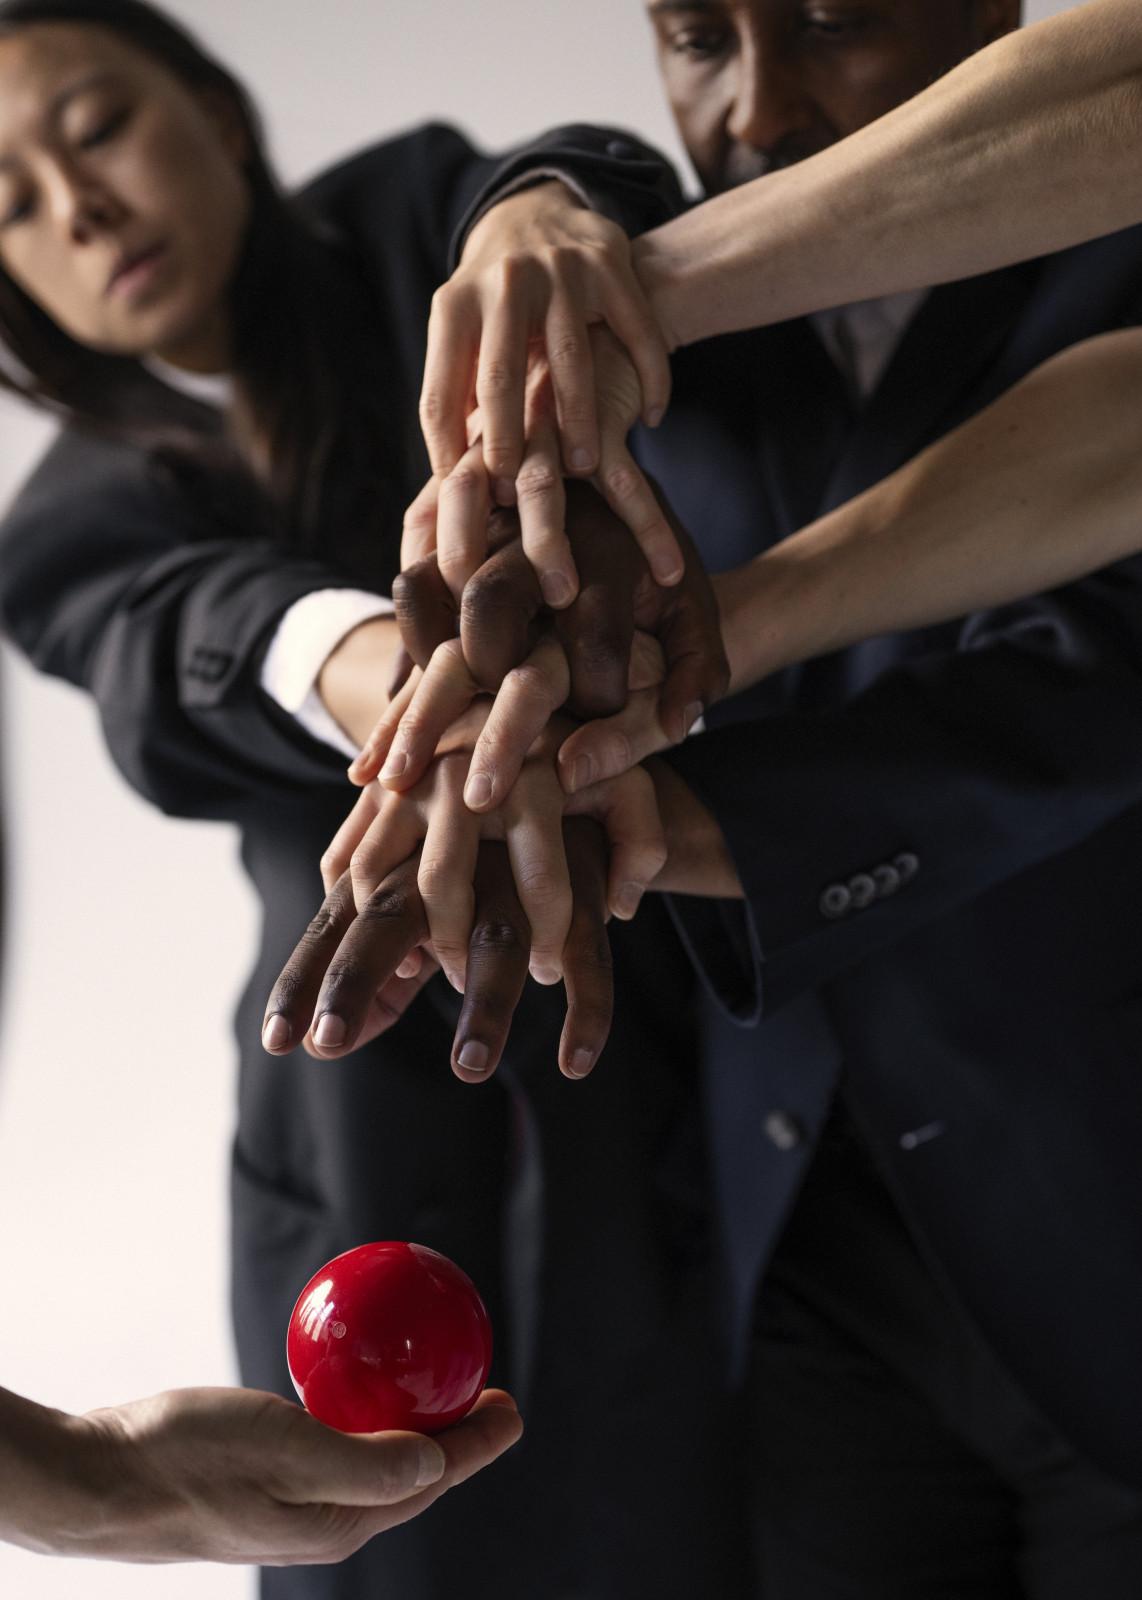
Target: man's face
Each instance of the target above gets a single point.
(760, 84)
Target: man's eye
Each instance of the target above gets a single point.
(103, 130)
(828, 25)
(698, 44)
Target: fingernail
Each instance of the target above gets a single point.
(275, 1033)
(654, 416)
(477, 790)
(581, 773)
(505, 492)
(667, 570)
(627, 900)
(557, 590)
(690, 716)
(582, 460)
(581, 1063)
(395, 765)
(330, 1032)
(430, 1463)
(473, 1056)
(546, 975)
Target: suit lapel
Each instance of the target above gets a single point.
(950, 345)
(971, 341)
(806, 420)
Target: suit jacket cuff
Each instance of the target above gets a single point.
(614, 173)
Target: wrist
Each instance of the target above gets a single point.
(659, 272)
(517, 212)
(58, 1478)
(783, 607)
(355, 679)
(698, 857)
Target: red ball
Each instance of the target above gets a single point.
(389, 1336)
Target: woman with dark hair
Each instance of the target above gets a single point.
(236, 374)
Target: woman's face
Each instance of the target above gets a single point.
(123, 200)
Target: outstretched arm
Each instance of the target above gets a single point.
(226, 1475)
(1029, 146)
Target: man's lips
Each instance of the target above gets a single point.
(133, 269)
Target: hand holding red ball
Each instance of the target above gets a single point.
(389, 1336)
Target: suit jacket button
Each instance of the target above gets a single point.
(887, 880)
(863, 890)
(907, 865)
(783, 1130)
(835, 902)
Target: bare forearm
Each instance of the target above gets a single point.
(1038, 490)
(1027, 147)
(699, 860)
(47, 1501)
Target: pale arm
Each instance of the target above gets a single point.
(1042, 488)
(226, 1475)
(1029, 146)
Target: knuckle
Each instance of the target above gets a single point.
(566, 349)
(432, 409)
(537, 481)
(443, 298)
(494, 380)
(498, 937)
(615, 752)
(447, 658)
(621, 481)
(543, 885)
(330, 866)
(361, 866)
(462, 481)
(321, 924)
(530, 682)
(388, 903)
(491, 588)
(436, 879)
(593, 951)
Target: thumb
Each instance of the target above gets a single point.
(359, 1469)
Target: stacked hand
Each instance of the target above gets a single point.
(476, 792)
(542, 354)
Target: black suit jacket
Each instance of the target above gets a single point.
(158, 595)
(939, 836)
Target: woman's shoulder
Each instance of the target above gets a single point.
(433, 154)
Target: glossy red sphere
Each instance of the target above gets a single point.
(389, 1336)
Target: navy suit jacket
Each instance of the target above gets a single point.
(939, 836)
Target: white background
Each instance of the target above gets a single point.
(129, 934)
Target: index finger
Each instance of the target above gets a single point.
(294, 995)
(449, 376)
(597, 629)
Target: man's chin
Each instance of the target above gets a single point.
(751, 166)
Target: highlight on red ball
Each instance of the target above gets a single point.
(389, 1335)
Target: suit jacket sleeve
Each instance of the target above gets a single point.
(620, 176)
(963, 768)
(109, 580)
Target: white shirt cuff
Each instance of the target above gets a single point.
(306, 637)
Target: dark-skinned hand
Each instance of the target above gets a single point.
(341, 987)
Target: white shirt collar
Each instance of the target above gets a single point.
(208, 388)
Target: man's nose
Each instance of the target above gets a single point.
(769, 104)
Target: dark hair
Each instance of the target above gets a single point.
(293, 395)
